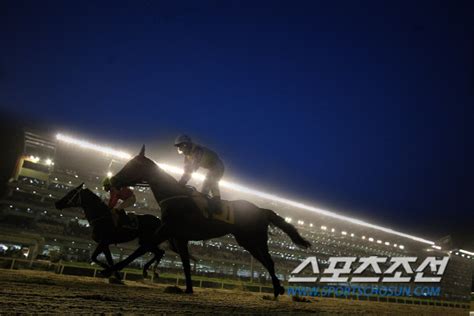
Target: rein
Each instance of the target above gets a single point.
(173, 198)
(95, 220)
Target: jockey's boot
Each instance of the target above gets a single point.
(215, 205)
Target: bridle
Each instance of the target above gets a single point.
(92, 222)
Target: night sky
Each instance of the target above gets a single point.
(362, 107)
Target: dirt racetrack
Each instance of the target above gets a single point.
(25, 291)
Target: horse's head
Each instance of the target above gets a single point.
(136, 171)
(71, 199)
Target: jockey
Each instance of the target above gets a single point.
(124, 194)
(196, 156)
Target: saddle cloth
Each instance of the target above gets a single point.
(226, 213)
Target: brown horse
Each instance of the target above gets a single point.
(183, 220)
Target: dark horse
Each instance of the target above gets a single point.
(182, 220)
(105, 233)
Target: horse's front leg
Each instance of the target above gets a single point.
(122, 264)
(97, 251)
(184, 254)
(110, 261)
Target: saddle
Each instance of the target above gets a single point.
(128, 220)
(203, 202)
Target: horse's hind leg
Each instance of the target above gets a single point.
(184, 254)
(270, 265)
(259, 250)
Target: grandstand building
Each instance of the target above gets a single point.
(50, 165)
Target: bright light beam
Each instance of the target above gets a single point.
(85, 144)
(240, 188)
(466, 252)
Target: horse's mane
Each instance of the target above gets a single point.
(161, 170)
(95, 199)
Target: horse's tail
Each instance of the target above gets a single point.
(289, 229)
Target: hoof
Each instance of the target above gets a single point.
(279, 291)
(115, 281)
(282, 290)
(156, 275)
(300, 299)
(106, 273)
(188, 291)
(145, 274)
(173, 290)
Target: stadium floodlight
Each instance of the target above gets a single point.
(48, 162)
(240, 188)
(401, 247)
(466, 252)
(363, 237)
(324, 227)
(371, 239)
(344, 233)
(109, 174)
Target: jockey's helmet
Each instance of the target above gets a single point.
(182, 139)
(184, 144)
